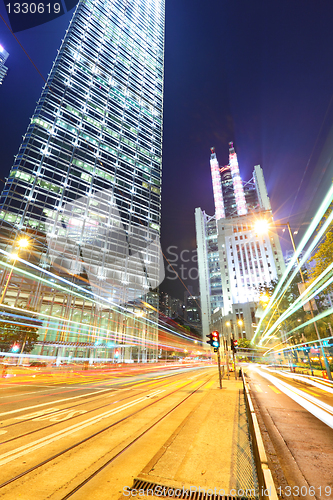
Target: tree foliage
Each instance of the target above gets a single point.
(244, 344)
(324, 254)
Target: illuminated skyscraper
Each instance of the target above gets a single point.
(3, 58)
(232, 259)
(86, 180)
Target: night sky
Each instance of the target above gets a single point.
(258, 73)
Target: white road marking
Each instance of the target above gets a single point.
(52, 402)
(33, 392)
(37, 414)
(39, 443)
(61, 416)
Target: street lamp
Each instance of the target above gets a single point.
(262, 226)
(21, 243)
(264, 298)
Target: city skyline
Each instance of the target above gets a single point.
(283, 128)
(166, 249)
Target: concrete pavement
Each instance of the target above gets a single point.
(209, 451)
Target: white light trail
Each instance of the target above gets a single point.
(283, 284)
(318, 408)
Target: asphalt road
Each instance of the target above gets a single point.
(296, 420)
(59, 433)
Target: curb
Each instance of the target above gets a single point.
(267, 490)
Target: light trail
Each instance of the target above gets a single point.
(318, 408)
(303, 299)
(316, 220)
(308, 380)
(114, 307)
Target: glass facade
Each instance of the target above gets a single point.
(3, 58)
(86, 182)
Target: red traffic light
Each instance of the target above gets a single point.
(214, 339)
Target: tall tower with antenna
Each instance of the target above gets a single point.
(233, 260)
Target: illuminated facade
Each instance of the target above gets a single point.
(3, 58)
(86, 182)
(217, 186)
(237, 182)
(232, 258)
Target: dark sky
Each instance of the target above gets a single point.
(259, 73)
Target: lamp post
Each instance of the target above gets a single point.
(262, 226)
(21, 243)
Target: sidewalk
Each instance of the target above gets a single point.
(209, 452)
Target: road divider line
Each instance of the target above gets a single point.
(192, 386)
(309, 392)
(274, 389)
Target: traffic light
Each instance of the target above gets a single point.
(234, 345)
(306, 348)
(15, 347)
(214, 340)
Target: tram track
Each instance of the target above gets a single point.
(125, 448)
(54, 413)
(61, 453)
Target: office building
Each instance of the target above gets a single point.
(3, 58)
(85, 184)
(233, 259)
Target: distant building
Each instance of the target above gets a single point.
(165, 304)
(3, 58)
(192, 311)
(171, 307)
(232, 258)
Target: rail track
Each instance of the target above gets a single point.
(39, 466)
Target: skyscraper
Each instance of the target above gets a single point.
(3, 58)
(232, 258)
(86, 181)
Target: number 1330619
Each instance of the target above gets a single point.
(302, 491)
(33, 8)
